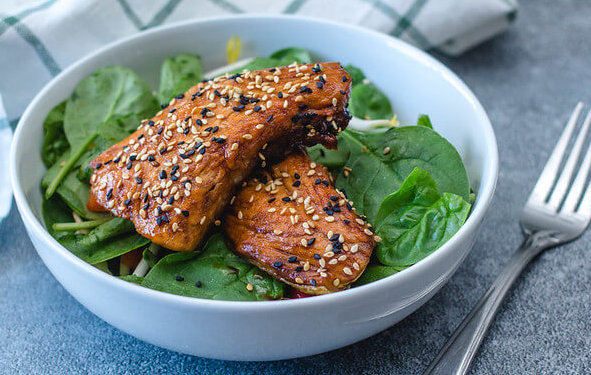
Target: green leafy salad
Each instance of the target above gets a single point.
(408, 181)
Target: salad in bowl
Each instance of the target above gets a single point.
(270, 178)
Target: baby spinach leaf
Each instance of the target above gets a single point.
(108, 93)
(74, 192)
(216, 273)
(177, 75)
(416, 220)
(107, 241)
(292, 54)
(375, 272)
(55, 143)
(149, 257)
(329, 158)
(425, 121)
(380, 161)
(133, 279)
(115, 130)
(54, 210)
(368, 102)
(356, 74)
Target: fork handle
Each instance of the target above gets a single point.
(459, 351)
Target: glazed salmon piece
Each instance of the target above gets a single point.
(292, 223)
(176, 173)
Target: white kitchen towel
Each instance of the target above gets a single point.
(38, 39)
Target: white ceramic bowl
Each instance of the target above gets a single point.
(415, 82)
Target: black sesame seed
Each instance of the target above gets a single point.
(217, 93)
(243, 100)
(117, 159)
(311, 241)
(256, 108)
(334, 198)
(179, 278)
(203, 112)
(198, 284)
(159, 210)
(151, 158)
(336, 209)
(208, 129)
(129, 165)
(198, 122)
(271, 200)
(334, 237)
(329, 212)
(146, 206)
(321, 79)
(110, 193)
(313, 282)
(174, 177)
(270, 118)
(108, 162)
(162, 174)
(175, 168)
(140, 136)
(292, 259)
(220, 140)
(342, 92)
(286, 199)
(202, 151)
(278, 264)
(159, 221)
(299, 268)
(346, 221)
(171, 200)
(344, 79)
(280, 95)
(317, 256)
(215, 129)
(325, 183)
(163, 105)
(185, 213)
(145, 197)
(138, 180)
(132, 157)
(319, 85)
(172, 110)
(151, 123)
(272, 70)
(197, 145)
(186, 130)
(187, 118)
(296, 183)
(255, 100)
(99, 165)
(160, 130)
(302, 107)
(349, 207)
(180, 96)
(165, 219)
(127, 202)
(318, 181)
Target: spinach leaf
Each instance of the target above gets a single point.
(416, 220)
(177, 75)
(55, 143)
(368, 102)
(54, 210)
(133, 279)
(108, 93)
(219, 273)
(332, 159)
(107, 241)
(425, 121)
(380, 161)
(292, 54)
(74, 192)
(356, 74)
(375, 272)
(149, 257)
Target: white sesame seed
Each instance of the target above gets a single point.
(330, 219)
(348, 271)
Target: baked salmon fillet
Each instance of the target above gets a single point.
(177, 172)
(291, 222)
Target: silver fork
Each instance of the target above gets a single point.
(557, 211)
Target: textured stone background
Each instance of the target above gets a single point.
(528, 79)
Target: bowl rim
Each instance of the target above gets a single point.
(487, 181)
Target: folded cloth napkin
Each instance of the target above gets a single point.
(40, 38)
